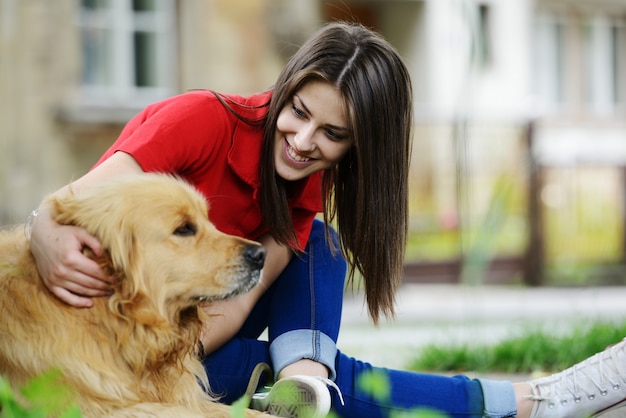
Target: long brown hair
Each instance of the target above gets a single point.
(367, 191)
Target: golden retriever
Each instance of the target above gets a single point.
(135, 353)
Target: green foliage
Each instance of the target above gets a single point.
(377, 384)
(534, 350)
(238, 408)
(42, 397)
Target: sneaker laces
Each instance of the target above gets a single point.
(255, 378)
(597, 374)
(261, 368)
(333, 385)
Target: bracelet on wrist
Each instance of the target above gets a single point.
(28, 226)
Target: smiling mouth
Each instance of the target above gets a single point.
(295, 156)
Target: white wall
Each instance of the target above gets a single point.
(498, 91)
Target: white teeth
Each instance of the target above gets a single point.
(298, 158)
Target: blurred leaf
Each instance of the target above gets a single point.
(376, 384)
(9, 407)
(46, 395)
(419, 413)
(238, 408)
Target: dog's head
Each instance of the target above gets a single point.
(161, 245)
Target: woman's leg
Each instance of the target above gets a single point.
(590, 387)
(229, 369)
(231, 366)
(305, 308)
(402, 391)
(307, 295)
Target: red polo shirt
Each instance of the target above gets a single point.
(195, 137)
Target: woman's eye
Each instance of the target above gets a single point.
(185, 230)
(334, 135)
(296, 111)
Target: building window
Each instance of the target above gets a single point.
(605, 53)
(483, 45)
(580, 63)
(127, 50)
(549, 63)
(618, 35)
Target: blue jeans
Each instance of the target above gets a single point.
(302, 311)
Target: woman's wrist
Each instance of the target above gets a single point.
(28, 226)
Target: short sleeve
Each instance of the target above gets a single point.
(177, 135)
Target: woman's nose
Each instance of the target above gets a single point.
(304, 138)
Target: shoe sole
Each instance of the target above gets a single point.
(611, 408)
(297, 398)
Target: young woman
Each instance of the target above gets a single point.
(332, 136)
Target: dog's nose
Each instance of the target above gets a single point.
(254, 256)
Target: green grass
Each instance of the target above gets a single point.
(532, 351)
(41, 397)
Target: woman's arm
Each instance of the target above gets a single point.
(75, 279)
(227, 317)
(65, 271)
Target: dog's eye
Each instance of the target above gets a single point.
(186, 229)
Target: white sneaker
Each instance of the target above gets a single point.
(295, 397)
(590, 388)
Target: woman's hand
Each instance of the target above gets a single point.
(58, 249)
(64, 269)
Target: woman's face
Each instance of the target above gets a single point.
(312, 132)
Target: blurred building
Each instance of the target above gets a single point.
(72, 72)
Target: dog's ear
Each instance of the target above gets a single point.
(126, 258)
(109, 220)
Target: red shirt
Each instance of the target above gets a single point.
(195, 137)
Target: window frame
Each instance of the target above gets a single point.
(115, 76)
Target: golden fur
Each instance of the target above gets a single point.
(132, 354)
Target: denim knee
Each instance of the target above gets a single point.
(303, 344)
